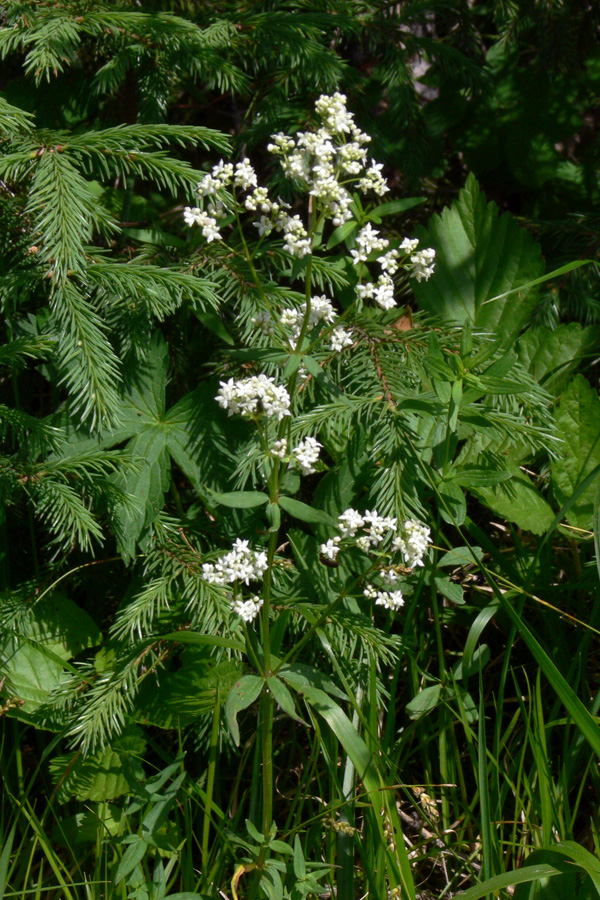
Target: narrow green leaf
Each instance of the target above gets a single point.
(341, 233)
(131, 858)
(305, 513)
(394, 206)
(499, 882)
(211, 640)
(240, 499)
(283, 698)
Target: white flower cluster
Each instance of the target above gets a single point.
(321, 310)
(376, 530)
(209, 224)
(420, 265)
(306, 454)
(389, 599)
(247, 609)
(254, 396)
(367, 240)
(413, 543)
(325, 158)
(240, 564)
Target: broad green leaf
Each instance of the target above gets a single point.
(100, 776)
(55, 630)
(552, 356)
(515, 497)
(478, 476)
(202, 440)
(449, 589)
(241, 696)
(480, 255)
(452, 503)
(178, 698)
(424, 702)
(304, 512)
(578, 425)
(460, 556)
(518, 500)
(240, 499)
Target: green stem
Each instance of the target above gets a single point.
(210, 781)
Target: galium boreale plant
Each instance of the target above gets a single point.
(332, 459)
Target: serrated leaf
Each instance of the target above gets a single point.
(552, 356)
(100, 776)
(578, 425)
(241, 696)
(305, 513)
(480, 255)
(55, 630)
(180, 697)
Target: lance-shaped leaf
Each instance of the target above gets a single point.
(241, 696)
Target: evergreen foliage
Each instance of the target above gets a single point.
(365, 724)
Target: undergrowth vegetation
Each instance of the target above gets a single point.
(300, 455)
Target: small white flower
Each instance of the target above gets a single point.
(255, 396)
(191, 215)
(331, 549)
(306, 454)
(390, 600)
(264, 225)
(413, 542)
(422, 264)
(383, 292)
(245, 176)
(279, 448)
(349, 522)
(240, 564)
(389, 262)
(378, 526)
(281, 144)
(409, 245)
(367, 240)
(340, 339)
(247, 609)
(374, 181)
